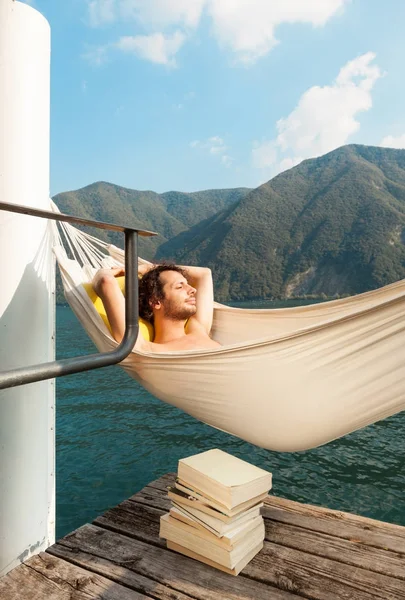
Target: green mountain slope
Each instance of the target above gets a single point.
(168, 214)
(332, 225)
(194, 207)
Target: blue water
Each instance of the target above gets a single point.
(113, 438)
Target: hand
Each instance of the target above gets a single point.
(142, 269)
(103, 275)
(116, 271)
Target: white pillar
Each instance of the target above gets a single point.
(27, 315)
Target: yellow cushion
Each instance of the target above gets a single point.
(145, 327)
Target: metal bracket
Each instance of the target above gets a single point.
(59, 368)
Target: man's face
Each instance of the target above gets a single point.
(179, 297)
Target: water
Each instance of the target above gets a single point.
(113, 438)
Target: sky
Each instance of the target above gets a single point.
(190, 95)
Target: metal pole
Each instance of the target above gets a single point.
(59, 368)
(68, 366)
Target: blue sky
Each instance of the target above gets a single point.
(197, 94)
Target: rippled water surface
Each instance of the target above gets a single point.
(113, 438)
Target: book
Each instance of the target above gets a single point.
(214, 525)
(224, 478)
(227, 540)
(236, 569)
(194, 495)
(172, 530)
(179, 497)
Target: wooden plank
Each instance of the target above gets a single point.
(134, 520)
(163, 482)
(170, 569)
(123, 575)
(338, 515)
(142, 522)
(350, 552)
(152, 497)
(370, 532)
(331, 522)
(321, 578)
(310, 552)
(48, 577)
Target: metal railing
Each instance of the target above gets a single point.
(68, 366)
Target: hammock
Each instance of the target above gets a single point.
(284, 379)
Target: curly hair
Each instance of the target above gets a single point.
(151, 289)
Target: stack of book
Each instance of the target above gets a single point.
(215, 514)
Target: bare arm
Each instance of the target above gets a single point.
(201, 279)
(106, 287)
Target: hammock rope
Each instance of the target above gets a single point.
(284, 379)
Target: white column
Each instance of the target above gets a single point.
(27, 315)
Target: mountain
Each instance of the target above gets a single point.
(168, 214)
(332, 225)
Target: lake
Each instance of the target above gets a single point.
(113, 437)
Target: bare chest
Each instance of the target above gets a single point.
(191, 341)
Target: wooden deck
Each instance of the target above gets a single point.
(309, 552)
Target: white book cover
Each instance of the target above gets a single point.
(215, 525)
(224, 477)
(227, 540)
(195, 494)
(186, 536)
(236, 569)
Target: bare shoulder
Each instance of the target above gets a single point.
(202, 320)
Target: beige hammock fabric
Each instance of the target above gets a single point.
(284, 379)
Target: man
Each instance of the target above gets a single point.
(177, 301)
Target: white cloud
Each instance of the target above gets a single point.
(96, 56)
(159, 14)
(227, 160)
(289, 163)
(324, 118)
(216, 146)
(264, 154)
(246, 27)
(390, 141)
(152, 14)
(101, 12)
(156, 47)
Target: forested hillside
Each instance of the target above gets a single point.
(168, 214)
(332, 225)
